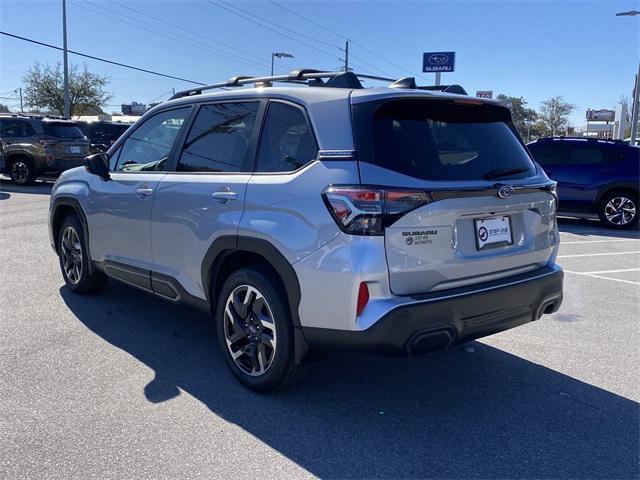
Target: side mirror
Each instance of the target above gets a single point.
(98, 164)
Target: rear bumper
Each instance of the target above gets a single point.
(436, 321)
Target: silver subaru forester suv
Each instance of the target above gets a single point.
(317, 216)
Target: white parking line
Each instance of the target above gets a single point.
(597, 254)
(603, 278)
(601, 241)
(614, 271)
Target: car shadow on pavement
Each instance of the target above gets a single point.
(38, 188)
(589, 228)
(453, 414)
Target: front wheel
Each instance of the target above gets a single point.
(255, 332)
(619, 210)
(74, 259)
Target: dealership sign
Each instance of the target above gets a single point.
(438, 61)
(484, 94)
(602, 115)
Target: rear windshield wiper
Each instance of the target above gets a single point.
(503, 172)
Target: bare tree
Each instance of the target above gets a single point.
(4, 108)
(44, 89)
(554, 115)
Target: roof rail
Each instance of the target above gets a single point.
(314, 78)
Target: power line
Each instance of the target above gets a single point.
(271, 29)
(209, 39)
(341, 36)
(92, 57)
(156, 32)
(282, 27)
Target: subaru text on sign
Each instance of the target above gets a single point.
(438, 61)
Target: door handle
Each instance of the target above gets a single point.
(224, 196)
(144, 191)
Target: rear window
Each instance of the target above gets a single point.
(443, 140)
(62, 130)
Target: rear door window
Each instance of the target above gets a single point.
(442, 140)
(586, 156)
(10, 128)
(287, 142)
(65, 130)
(219, 139)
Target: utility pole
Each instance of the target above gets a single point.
(636, 94)
(636, 106)
(20, 93)
(346, 56)
(67, 112)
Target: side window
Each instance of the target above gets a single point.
(586, 156)
(219, 139)
(548, 154)
(16, 129)
(149, 146)
(287, 143)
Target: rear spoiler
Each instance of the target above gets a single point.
(445, 88)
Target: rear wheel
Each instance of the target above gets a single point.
(74, 260)
(255, 332)
(619, 209)
(22, 171)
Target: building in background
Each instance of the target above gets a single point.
(134, 108)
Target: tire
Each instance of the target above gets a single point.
(72, 254)
(22, 171)
(261, 336)
(619, 209)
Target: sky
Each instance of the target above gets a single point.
(534, 49)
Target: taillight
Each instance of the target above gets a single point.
(367, 210)
(47, 142)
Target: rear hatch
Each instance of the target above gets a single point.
(479, 208)
(65, 140)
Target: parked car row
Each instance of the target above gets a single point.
(32, 145)
(596, 178)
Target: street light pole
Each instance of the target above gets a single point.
(279, 55)
(67, 113)
(634, 113)
(636, 84)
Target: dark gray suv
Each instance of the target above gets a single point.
(36, 145)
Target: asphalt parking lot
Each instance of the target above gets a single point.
(124, 385)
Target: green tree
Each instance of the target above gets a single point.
(523, 117)
(554, 116)
(44, 89)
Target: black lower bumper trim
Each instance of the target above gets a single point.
(433, 324)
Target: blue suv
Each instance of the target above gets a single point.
(595, 177)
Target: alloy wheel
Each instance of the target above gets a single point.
(250, 330)
(19, 171)
(71, 252)
(620, 210)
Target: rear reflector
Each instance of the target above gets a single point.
(363, 298)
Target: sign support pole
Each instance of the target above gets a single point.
(438, 79)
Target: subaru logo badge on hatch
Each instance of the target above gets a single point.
(505, 191)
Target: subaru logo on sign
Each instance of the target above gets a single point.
(438, 61)
(505, 191)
